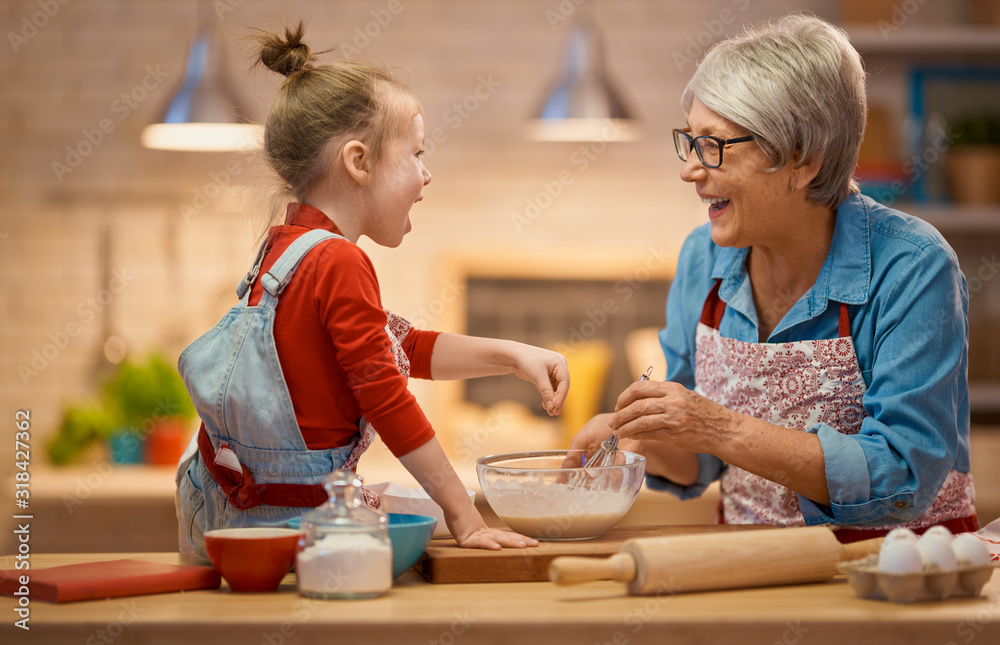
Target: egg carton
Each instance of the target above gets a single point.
(931, 584)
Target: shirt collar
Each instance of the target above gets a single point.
(306, 216)
(850, 258)
(846, 273)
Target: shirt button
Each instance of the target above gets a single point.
(900, 504)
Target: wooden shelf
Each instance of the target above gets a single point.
(942, 40)
(949, 218)
(984, 396)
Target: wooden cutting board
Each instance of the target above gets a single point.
(446, 562)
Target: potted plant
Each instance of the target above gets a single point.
(973, 163)
(81, 427)
(143, 414)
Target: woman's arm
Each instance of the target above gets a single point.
(914, 342)
(670, 413)
(461, 357)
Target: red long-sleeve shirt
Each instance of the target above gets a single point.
(329, 331)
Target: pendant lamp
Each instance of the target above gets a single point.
(583, 103)
(205, 112)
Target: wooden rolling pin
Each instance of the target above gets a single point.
(682, 563)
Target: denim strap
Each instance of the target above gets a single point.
(243, 288)
(276, 279)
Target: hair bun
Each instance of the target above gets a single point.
(285, 55)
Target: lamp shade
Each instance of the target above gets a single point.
(583, 103)
(204, 113)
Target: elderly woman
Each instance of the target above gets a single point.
(816, 341)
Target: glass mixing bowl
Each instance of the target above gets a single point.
(536, 496)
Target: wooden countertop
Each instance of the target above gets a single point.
(418, 612)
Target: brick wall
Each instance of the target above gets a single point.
(164, 278)
(65, 80)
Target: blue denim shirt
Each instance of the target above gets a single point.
(908, 304)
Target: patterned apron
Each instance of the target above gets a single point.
(797, 385)
(397, 329)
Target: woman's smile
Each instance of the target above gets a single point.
(716, 206)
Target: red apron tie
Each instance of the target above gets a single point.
(243, 492)
(956, 525)
(714, 308)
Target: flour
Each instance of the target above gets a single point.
(557, 511)
(553, 499)
(349, 565)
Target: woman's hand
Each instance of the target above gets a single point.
(676, 464)
(589, 439)
(547, 371)
(667, 411)
(684, 423)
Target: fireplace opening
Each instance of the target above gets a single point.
(567, 315)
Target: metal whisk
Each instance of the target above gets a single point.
(609, 447)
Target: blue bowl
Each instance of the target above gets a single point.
(409, 535)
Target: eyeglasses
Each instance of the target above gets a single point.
(708, 148)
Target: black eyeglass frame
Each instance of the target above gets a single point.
(722, 143)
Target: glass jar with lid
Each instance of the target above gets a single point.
(347, 553)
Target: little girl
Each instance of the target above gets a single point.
(293, 381)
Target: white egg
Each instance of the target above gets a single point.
(899, 535)
(900, 556)
(939, 530)
(936, 552)
(970, 550)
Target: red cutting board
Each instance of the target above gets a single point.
(107, 579)
(445, 561)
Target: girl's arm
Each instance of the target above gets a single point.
(461, 357)
(432, 469)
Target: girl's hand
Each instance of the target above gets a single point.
(432, 470)
(470, 531)
(459, 357)
(484, 537)
(547, 370)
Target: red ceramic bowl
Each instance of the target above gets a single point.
(254, 558)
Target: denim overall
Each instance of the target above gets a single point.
(248, 465)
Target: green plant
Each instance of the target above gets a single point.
(145, 393)
(134, 400)
(81, 426)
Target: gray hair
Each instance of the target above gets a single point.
(799, 85)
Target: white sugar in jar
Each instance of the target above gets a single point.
(346, 565)
(347, 552)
